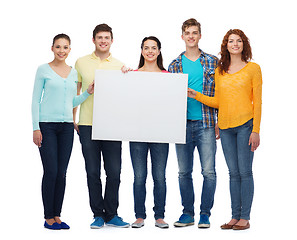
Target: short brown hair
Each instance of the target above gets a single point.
(191, 22)
(102, 28)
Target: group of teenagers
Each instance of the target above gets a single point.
(224, 101)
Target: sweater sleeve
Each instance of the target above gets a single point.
(36, 98)
(257, 98)
(77, 100)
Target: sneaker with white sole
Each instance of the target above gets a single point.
(116, 221)
(97, 223)
(184, 220)
(204, 221)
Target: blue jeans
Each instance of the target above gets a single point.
(105, 207)
(205, 141)
(55, 151)
(239, 159)
(159, 155)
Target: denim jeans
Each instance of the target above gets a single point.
(105, 207)
(159, 155)
(239, 159)
(205, 141)
(55, 151)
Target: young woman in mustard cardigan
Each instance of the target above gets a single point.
(238, 97)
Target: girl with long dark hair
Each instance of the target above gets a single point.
(150, 61)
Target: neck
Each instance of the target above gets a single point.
(58, 63)
(102, 55)
(150, 67)
(235, 59)
(192, 53)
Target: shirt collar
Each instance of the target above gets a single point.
(109, 58)
(179, 58)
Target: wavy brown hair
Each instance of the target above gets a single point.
(246, 54)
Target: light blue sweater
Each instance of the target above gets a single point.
(54, 97)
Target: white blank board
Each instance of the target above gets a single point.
(140, 106)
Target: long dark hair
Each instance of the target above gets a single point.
(159, 59)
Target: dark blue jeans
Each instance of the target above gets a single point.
(105, 207)
(159, 154)
(55, 151)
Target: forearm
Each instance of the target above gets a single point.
(209, 101)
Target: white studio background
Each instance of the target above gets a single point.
(27, 29)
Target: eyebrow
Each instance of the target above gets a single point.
(192, 32)
(234, 39)
(106, 36)
(61, 45)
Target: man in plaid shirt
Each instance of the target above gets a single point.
(201, 121)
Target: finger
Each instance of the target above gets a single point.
(218, 136)
(254, 146)
(40, 140)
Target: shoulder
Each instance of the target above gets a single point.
(175, 62)
(209, 57)
(178, 59)
(82, 62)
(84, 58)
(254, 67)
(42, 68)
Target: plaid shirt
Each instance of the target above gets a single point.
(209, 64)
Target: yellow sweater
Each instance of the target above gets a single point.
(238, 97)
